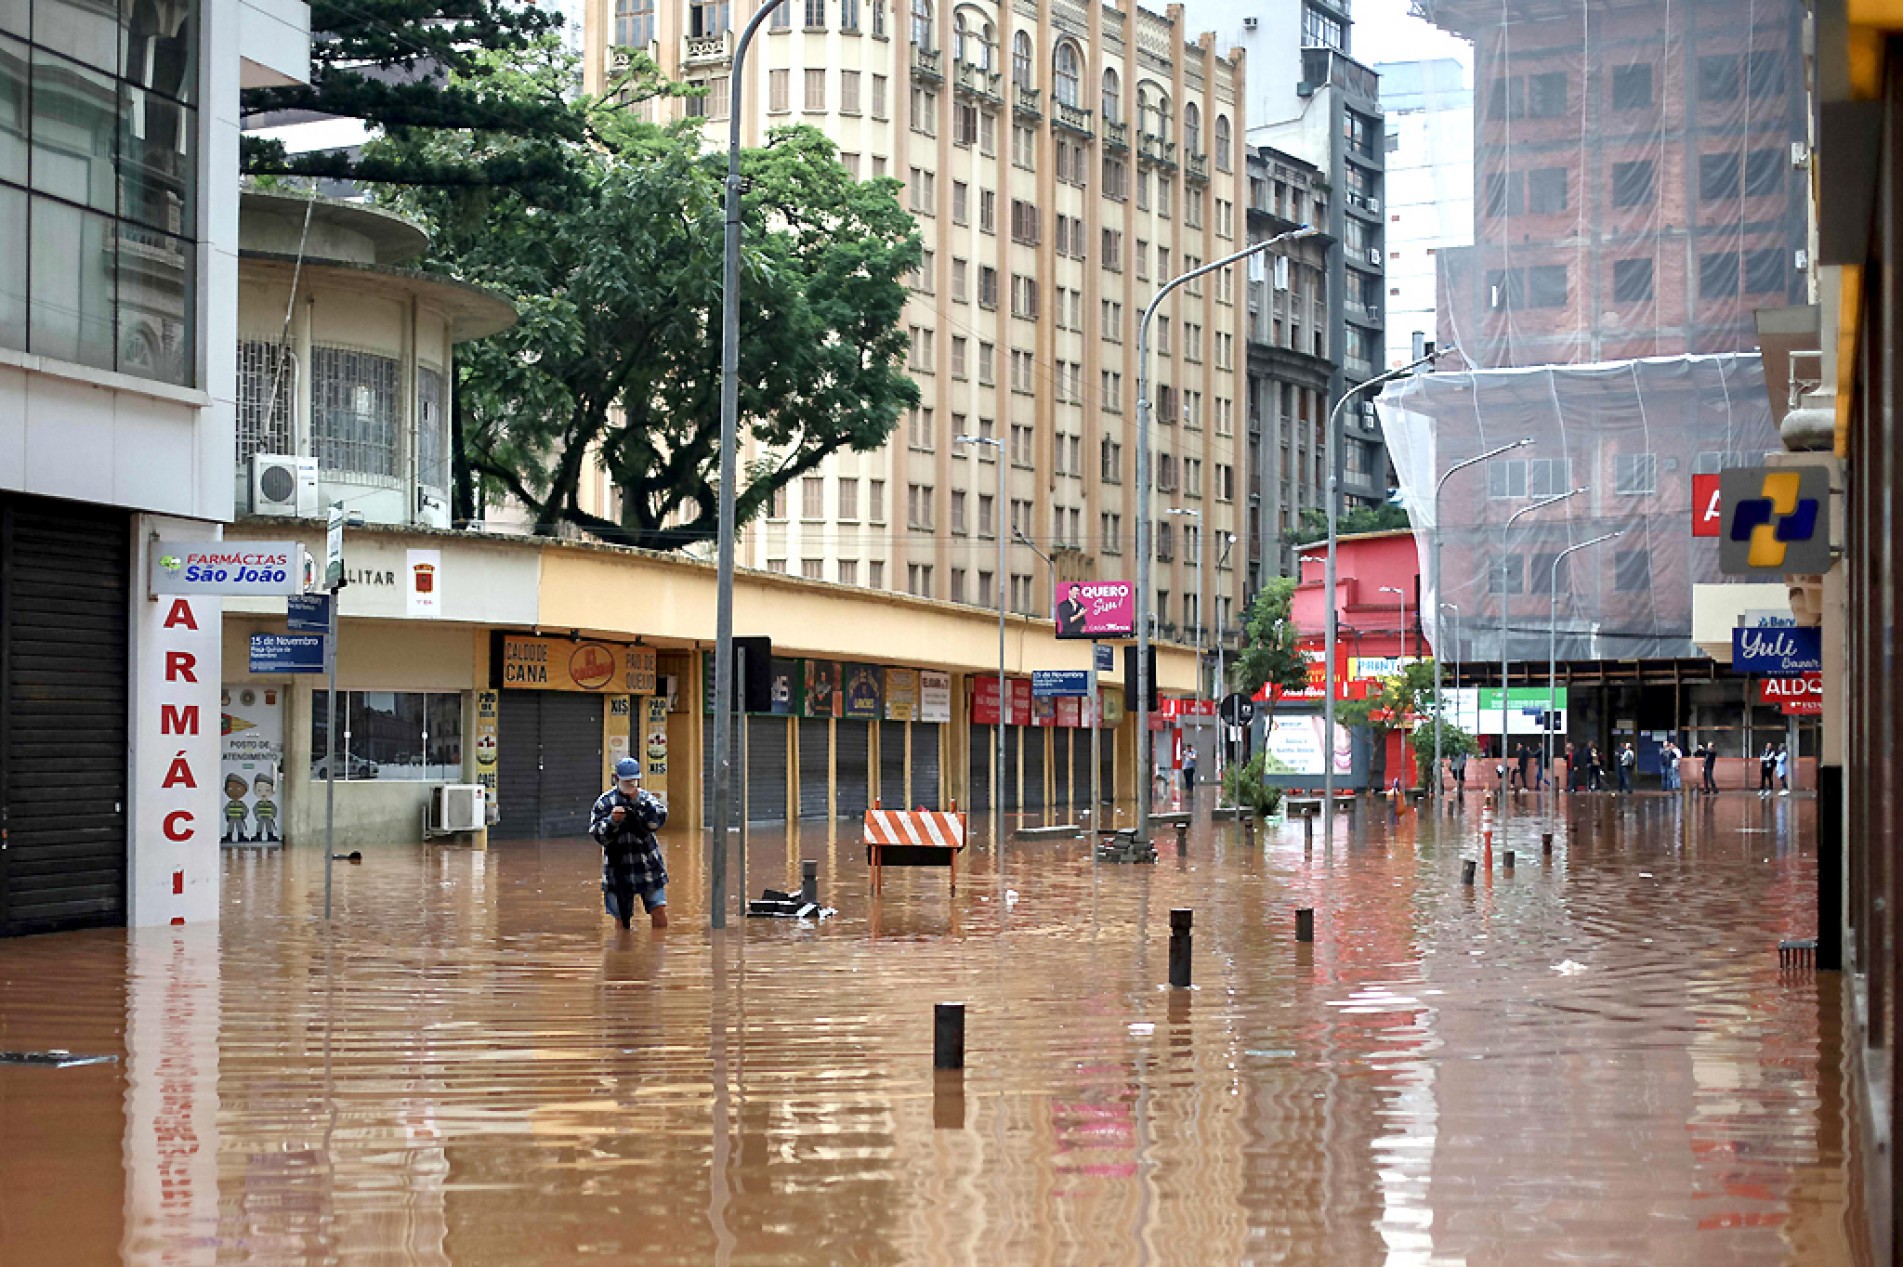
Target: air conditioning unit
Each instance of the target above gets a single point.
(1374, 256)
(1800, 154)
(1374, 204)
(455, 807)
(1802, 260)
(1248, 24)
(283, 484)
(432, 509)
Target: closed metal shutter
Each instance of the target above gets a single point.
(65, 581)
(551, 764)
(1080, 770)
(815, 760)
(854, 759)
(1109, 766)
(892, 791)
(1034, 767)
(982, 740)
(925, 765)
(766, 769)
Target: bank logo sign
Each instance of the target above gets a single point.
(1776, 521)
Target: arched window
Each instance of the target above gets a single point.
(1021, 60)
(989, 53)
(1192, 129)
(1222, 142)
(960, 47)
(1067, 76)
(1112, 97)
(634, 24)
(922, 24)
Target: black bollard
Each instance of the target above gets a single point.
(1305, 924)
(1180, 920)
(1509, 860)
(1467, 872)
(948, 1036)
(1182, 836)
(1308, 828)
(1546, 842)
(809, 882)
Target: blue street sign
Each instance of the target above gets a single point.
(308, 613)
(1106, 657)
(1051, 683)
(1777, 652)
(287, 653)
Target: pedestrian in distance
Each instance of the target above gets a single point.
(1628, 761)
(623, 824)
(1669, 759)
(1459, 764)
(1595, 769)
(1709, 755)
(1767, 771)
(1783, 770)
(1573, 770)
(1189, 770)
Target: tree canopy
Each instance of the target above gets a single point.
(1271, 652)
(1313, 525)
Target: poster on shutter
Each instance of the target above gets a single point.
(1068, 710)
(251, 761)
(901, 694)
(654, 748)
(865, 692)
(1020, 701)
(488, 708)
(1043, 711)
(617, 728)
(825, 696)
(934, 697)
(424, 583)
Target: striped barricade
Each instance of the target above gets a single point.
(913, 838)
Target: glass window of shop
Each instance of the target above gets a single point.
(98, 183)
(410, 736)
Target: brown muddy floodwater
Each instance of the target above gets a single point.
(1592, 1058)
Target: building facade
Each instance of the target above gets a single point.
(118, 298)
(1430, 156)
(1640, 183)
(1061, 164)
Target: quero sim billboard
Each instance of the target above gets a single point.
(1095, 609)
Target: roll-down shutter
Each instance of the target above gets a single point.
(815, 761)
(854, 761)
(892, 764)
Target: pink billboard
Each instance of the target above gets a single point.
(1096, 609)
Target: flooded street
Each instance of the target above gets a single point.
(1591, 1058)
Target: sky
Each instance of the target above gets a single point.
(1385, 33)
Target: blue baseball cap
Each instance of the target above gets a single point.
(627, 768)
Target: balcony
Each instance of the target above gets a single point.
(1029, 102)
(1116, 135)
(976, 81)
(1155, 150)
(1196, 168)
(703, 50)
(1073, 118)
(927, 64)
(1337, 69)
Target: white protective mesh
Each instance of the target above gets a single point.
(1632, 434)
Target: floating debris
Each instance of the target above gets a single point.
(775, 904)
(1125, 846)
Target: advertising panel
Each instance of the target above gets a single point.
(564, 664)
(236, 568)
(864, 692)
(934, 697)
(901, 694)
(251, 759)
(1295, 746)
(825, 690)
(1095, 609)
(488, 709)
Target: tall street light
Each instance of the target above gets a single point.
(1332, 448)
(1433, 569)
(1453, 642)
(1505, 541)
(1552, 640)
(1145, 770)
(1222, 681)
(1004, 704)
(1201, 616)
(1402, 595)
(729, 472)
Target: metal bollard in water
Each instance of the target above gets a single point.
(1467, 872)
(1308, 827)
(1182, 836)
(1180, 920)
(1546, 842)
(1509, 860)
(1305, 924)
(948, 1036)
(809, 882)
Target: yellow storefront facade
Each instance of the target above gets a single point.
(530, 665)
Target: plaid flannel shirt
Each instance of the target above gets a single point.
(631, 851)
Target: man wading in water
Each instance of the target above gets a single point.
(623, 824)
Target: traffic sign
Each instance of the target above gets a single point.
(307, 613)
(1238, 709)
(1106, 657)
(1052, 683)
(287, 653)
(334, 547)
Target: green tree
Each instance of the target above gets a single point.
(615, 357)
(1453, 741)
(406, 67)
(1313, 525)
(1402, 700)
(1271, 653)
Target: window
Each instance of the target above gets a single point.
(777, 566)
(1528, 97)
(1193, 210)
(776, 504)
(1322, 30)
(1718, 275)
(1110, 392)
(1718, 77)
(1223, 143)
(849, 498)
(1504, 194)
(1506, 478)
(918, 506)
(1717, 176)
(634, 24)
(1764, 71)
(921, 349)
(813, 497)
(354, 410)
(1764, 271)
(849, 92)
(848, 21)
(875, 570)
(1632, 183)
(987, 133)
(1763, 173)
(876, 513)
(1635, 474)
(778, 99)
(1110, 533)
(1023, 372)
(1546, 286)
(918, 580)
(1021, 60)
(987, 356)
(815, 15)
(1507, 573)
(782, 19)
(405, 736)
(964, 124)
(987, 287)
(924, 111)
(1024, 147)
(958, 585)
(813, 569)
(878, 31)
(987, 515)
(878, 96)
(961, 289)
(922, 187)
(961, 202)
(1110, 321)
(1067, 76)
(1632, 87)
(1225, 482)
(849, 568)
(958, 356)
(1024, 222)
(922, 24)
(1192, 129)
(1116, 179)
(988, 211)
(1546, 190)
(1631, 281)
(922, 427)
(706, 18)
(1548, 477)
(1112, 97)
(1023, 296)
(1631, 571)
(958, 512)
(1023, 450)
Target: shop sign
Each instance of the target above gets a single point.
(901, 694)
(617, 729)
(1051, 683)
(1777, 652)
(1775, 521)
(787, 687)
(287, 653)
(488, 709)
(1801, 696)
(248, 569)
(825, 690)
(1707, 515)
(423, 578)
(1112, 707)
(865, 692)
(561, 664)
(1095, 609)
(934, 697)
(1069, 711)
(174, 846)
(1043, 711)
(251, 758)
(984, 702)
(654, 745)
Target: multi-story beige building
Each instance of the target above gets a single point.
(1062, 161)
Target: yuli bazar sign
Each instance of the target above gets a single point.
(1777, 652)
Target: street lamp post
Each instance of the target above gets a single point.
(1505, 539)
(1433, 567)
(1201, 616)
(1332, 448)
(1552, 644)
(998, 512)
(1453, 642)
(729, 474)
(1142, 684)
(1222, 681)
